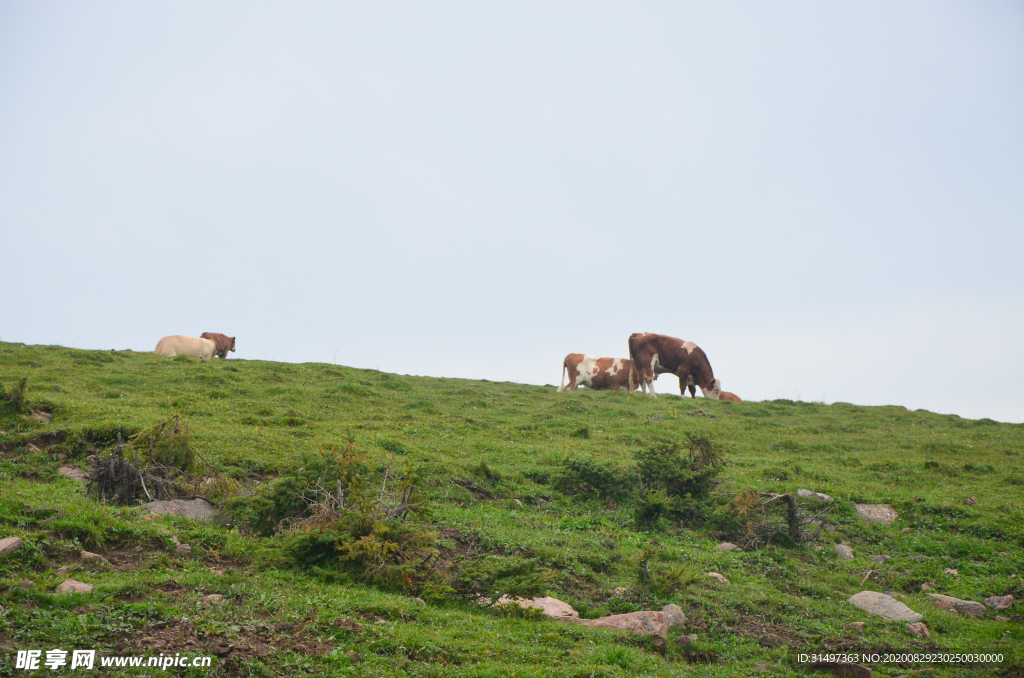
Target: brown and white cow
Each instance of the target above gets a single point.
(597, 373)
(655, 354)
(224, 343)
(731, 397)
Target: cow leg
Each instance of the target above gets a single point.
(653, 394)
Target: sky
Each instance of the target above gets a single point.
(828, 198)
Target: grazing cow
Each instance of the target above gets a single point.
(655, 354)
(224, 343)
(731, 397)
(596, 373)
(179, 344)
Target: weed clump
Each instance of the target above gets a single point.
(14, 401)
(591, 478)
(165, 444)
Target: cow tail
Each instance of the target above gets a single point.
(562, 387)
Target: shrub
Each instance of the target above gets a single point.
(684, 478)
(165, 444)
(589, 477)
(14, 401)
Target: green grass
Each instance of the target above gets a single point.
(254, 419)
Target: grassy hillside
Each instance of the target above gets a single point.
(485, 455)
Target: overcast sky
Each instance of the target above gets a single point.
(827, 197)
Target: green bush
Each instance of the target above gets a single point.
(683, 478)
(589, 477)
(14, 401)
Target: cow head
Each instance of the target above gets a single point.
(714, 389)
(232, 349)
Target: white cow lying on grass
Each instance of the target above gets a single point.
(193, 347)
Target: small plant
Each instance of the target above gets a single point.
(165, 444)
(14, 401)
(589, 477)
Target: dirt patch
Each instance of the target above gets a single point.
(255, 640)
(767, 634)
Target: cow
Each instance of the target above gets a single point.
(224, 343)
(596, 373)
(731, 397)
(179, 344)
(654, 354)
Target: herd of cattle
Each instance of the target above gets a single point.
(649, 356)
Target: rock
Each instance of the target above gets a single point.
(44, 417)
(857, 627)
(999, 602)
(652, 623)
(876, 513)
(919, 629)
(73, 472)
(927, 587)
(620, 591)
(10, 544)
(905, 530)
(971, 501)
(950, 571)
(72, 586)
(817, 496)
(760, 666)
(968, 607)
(183, 549)
(1001, 618)
(420, 602)
(93, 557)
(718, 577)
(843, 669)
(917, 556)
(152, 516)
(844, 552)
(354, 656)
(685, 640)
(675, 614)
(726, 546)
(212, 599)
(879, 559)
(552, 607)
(63, 569)
(884, 606)
(193, 509)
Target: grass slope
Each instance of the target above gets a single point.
(503, 441)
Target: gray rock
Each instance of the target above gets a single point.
(92, 557)
(726, 546)
(857, 627)
(73, 472)
(884, 606)
(917, 556)
(552, 607)
(817, 496)
(212, 599)
(10, 544)
(999, 602)
(675, 614)
(685, 640)
(193, 509)
(183, 549)
(72, 586)
(879, 559)
(876, 513)
(950, 571)
(968, 607)
(844, 552)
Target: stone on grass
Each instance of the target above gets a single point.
(72, 586)
(620, 591)
(917, 556)
(675, 614)
(857, 627)
(93, 557)
(552, 607)
(354, 656)
(844, 552)
(193, 509)
(817, 496)
(968, 607)
(879, 559)
(10, 544)
(212, 599)
(950, 571)
(651, 623)
(876, 513)
(905, 529)
(183, 549)
(1001, 618)
(685, 640)
(999, 602)
(919, 629)
(420, 602)
(726, 546)
(717, 577)
(927, 587)
(971, 501)
(884, 606)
